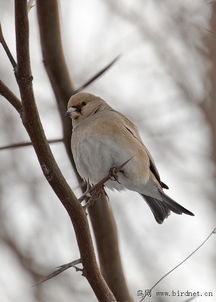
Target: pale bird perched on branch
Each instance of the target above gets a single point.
(103, 138)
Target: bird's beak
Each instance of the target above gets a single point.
(67, 113)
(70, 112)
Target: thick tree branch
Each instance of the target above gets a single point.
(102, 219)
(54, 62)
(89, 197)
(108, 249)
(50, 169)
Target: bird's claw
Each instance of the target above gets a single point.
(89, 203)
(93, 197)
(92, 192)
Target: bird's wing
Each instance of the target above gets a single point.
(132, 129)
(154, 170)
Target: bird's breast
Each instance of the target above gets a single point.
(96, 152)
(95, 156)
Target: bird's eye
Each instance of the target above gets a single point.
(83, 103)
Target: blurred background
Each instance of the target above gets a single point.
(165, 83)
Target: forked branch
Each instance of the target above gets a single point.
(102, 219)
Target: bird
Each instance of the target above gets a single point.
(102, 139)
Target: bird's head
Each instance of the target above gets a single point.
(83, 105)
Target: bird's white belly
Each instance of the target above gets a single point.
(95, 157)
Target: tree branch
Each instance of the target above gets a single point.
(89, 196)
(148, 292)
(61, 269)
(11, 97)
(54, 62)
(104, 226)
(97, 75)
(31, 121)
(25, 144)
(6, 48)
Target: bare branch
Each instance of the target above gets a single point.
(32, 123)
(25, 144)
(97, 75)
(102, 219)
(112, 173)
(6, 48)
(61, 269)
(169, 272)
(54, 62)
(106, 235)
(11, 97)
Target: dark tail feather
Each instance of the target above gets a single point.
(161, 209)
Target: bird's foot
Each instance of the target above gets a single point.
(89, 203)
(86, 194)
(113, 172)
(95, 195)
(112, 175)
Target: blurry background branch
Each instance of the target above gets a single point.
(213, 232)
(97, 75)
(25, 144)
(208, 107)
(54, 62)
(103, 223)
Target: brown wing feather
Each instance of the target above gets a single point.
(152, 164)
(156, 174)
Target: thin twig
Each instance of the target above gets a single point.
(6, 48)
(25, 144)
(97, 75)
(10, 96)
(61, 269)
(169, 272)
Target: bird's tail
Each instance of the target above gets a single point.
(161, 209)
